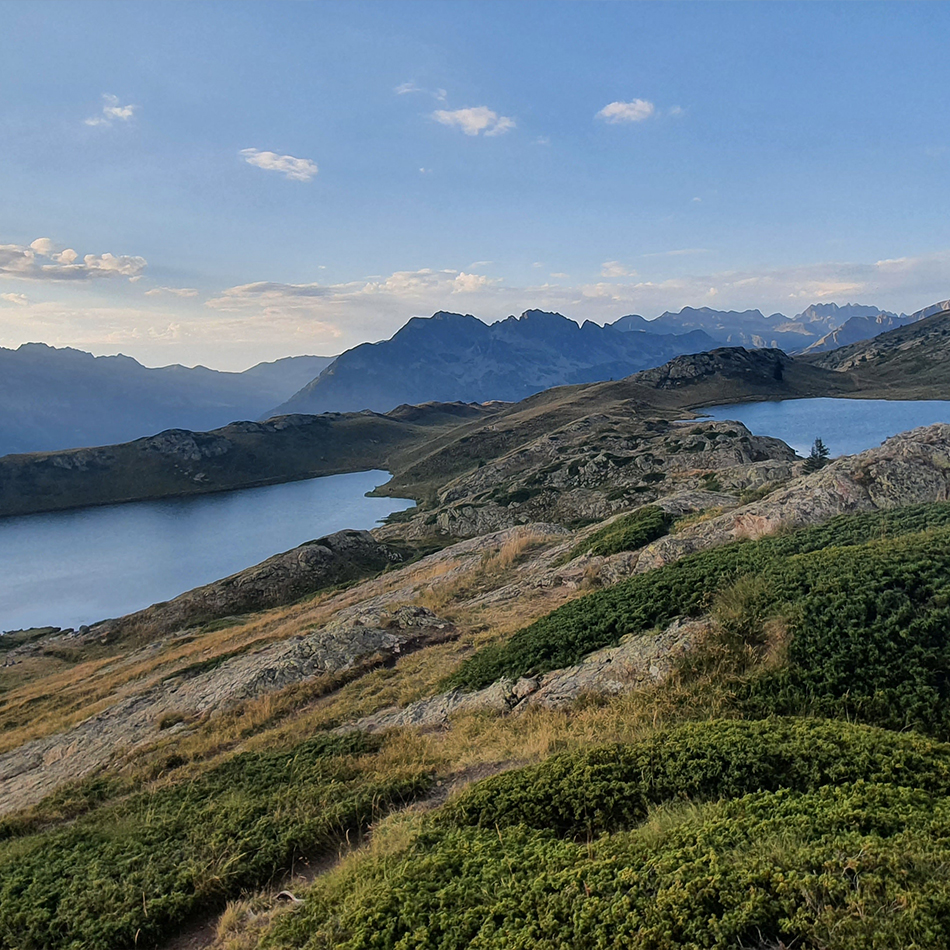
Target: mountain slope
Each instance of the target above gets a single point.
(855, 330)
(450, 357)
(63, 398)
(909, 362)
(753, 328)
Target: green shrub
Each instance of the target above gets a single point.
(627, 533)
(866, 600)
(614, 787)
(800, 863)
(131, 873)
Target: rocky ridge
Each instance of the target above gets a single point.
(598, 466)
(636, 662)
(379, 621)
(909, 468)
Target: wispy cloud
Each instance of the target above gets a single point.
(112, 111)
(267, 319)
(294, 169)
(679, 252)
(407, 88)
(399, 284)
(41, 261)
(616, 269)
(475, 120)
(173, 291)
(636, 110)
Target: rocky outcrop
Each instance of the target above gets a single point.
(282, 579)
(341, 648)
(637, 661)
(598, 466)
(910, 468)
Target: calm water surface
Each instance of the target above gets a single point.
(68, 568)
(846, 426)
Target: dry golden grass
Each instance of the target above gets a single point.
(687, 521)
(57, 697)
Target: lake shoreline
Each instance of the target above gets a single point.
(75, 567)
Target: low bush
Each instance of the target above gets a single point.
(585, 793)
(866, 600)
(131, 873)
(801, 863)
(627, 533)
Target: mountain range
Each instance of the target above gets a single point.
(451, 356)
(65, 398)
(814, 329)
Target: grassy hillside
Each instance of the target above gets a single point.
(815, 814)
(779, 779)
(779, 834)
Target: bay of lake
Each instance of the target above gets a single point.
(846, 426)
(67, 568)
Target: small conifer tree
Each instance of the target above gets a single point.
(818, 458)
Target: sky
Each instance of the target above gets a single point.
(225, 183)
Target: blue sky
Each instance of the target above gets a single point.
(225, 183)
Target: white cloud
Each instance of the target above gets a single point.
(425, 171)
(542, 140)
(676, 111)
(265, 319)
(405, 88)
(19, 300)
(697, 199)
(174, 291)
(40, 261)
(112, 111)
(294, 169)
(616, 269)
(634, 111)
(559, 276)
(475, 120)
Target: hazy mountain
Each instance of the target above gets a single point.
(753, 328)
(64, 398)
(451, 356)
(857, 329)
(912, 361)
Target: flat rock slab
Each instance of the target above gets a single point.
(637, 661)
(36, 768)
